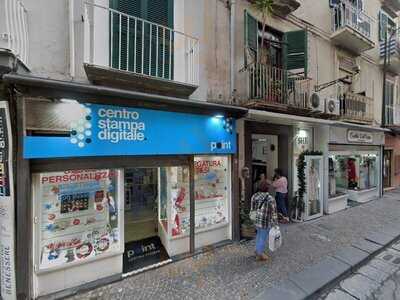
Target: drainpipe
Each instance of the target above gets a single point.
(71, 38)
(232, 38)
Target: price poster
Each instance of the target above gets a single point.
(79, 216)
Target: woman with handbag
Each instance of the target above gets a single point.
(264, 215)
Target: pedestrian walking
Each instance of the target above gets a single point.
(263, 206)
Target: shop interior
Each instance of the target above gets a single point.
(354, 172)
(264, 157)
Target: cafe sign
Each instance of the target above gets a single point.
(356, 136)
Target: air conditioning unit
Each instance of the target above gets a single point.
(332, 106)
(317, 104)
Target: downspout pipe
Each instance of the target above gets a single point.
(71, 38)
(233, 43)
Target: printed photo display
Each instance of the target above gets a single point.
(211, 193)
(79, 215)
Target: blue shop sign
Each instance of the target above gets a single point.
(104, 130)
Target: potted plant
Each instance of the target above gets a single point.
(247, 227)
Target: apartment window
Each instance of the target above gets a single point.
(386, 25)
(286, 50)
(131, 39)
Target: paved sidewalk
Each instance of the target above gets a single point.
(231, 272)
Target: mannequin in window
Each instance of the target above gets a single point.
(313, 190)
(352, 174)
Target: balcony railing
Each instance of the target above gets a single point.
(136, 45)
(346, 14)
(14, 28)
(268, 85)
(392, 115)
(356, 108)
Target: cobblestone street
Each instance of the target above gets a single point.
(378, 279)
(231, 272)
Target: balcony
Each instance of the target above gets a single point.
(392, 116)
(356, 108)
(124, 51)
(13, 36)
(393, 60)
(391, 5)
(276, 89)
(352, 28)
(283, 7)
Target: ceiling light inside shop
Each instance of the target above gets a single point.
(302, 133)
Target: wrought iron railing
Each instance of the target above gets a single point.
(14, 28)
(346, 14)
(276, 86)
(356, 108)
(139, 46)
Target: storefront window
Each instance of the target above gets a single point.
(352, 172)
(78, 215)
(211, 191)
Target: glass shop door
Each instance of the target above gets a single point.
(156, 216)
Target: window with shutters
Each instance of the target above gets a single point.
(140, 45)
(284, 50)
(386, 25)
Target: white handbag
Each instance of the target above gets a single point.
(274, 239)
(253, 215)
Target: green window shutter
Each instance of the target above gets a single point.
(251, 31)
(155, 11)
(296, 50)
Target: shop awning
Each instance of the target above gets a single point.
(285, 119)
(83, 92)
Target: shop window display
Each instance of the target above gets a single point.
(174, 196)
(352, 172)
(78, 215)
(211, 191)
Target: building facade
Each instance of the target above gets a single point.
(121, 163)
(138, 126)
(312, 77)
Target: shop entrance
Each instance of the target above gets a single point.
(264, 157)
(387, 168)
(156, 215)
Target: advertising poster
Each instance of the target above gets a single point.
(211, 192)
(79, 216)
(7, 225)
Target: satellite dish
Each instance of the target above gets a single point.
(315, 100)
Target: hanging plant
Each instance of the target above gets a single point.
(298, 200)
